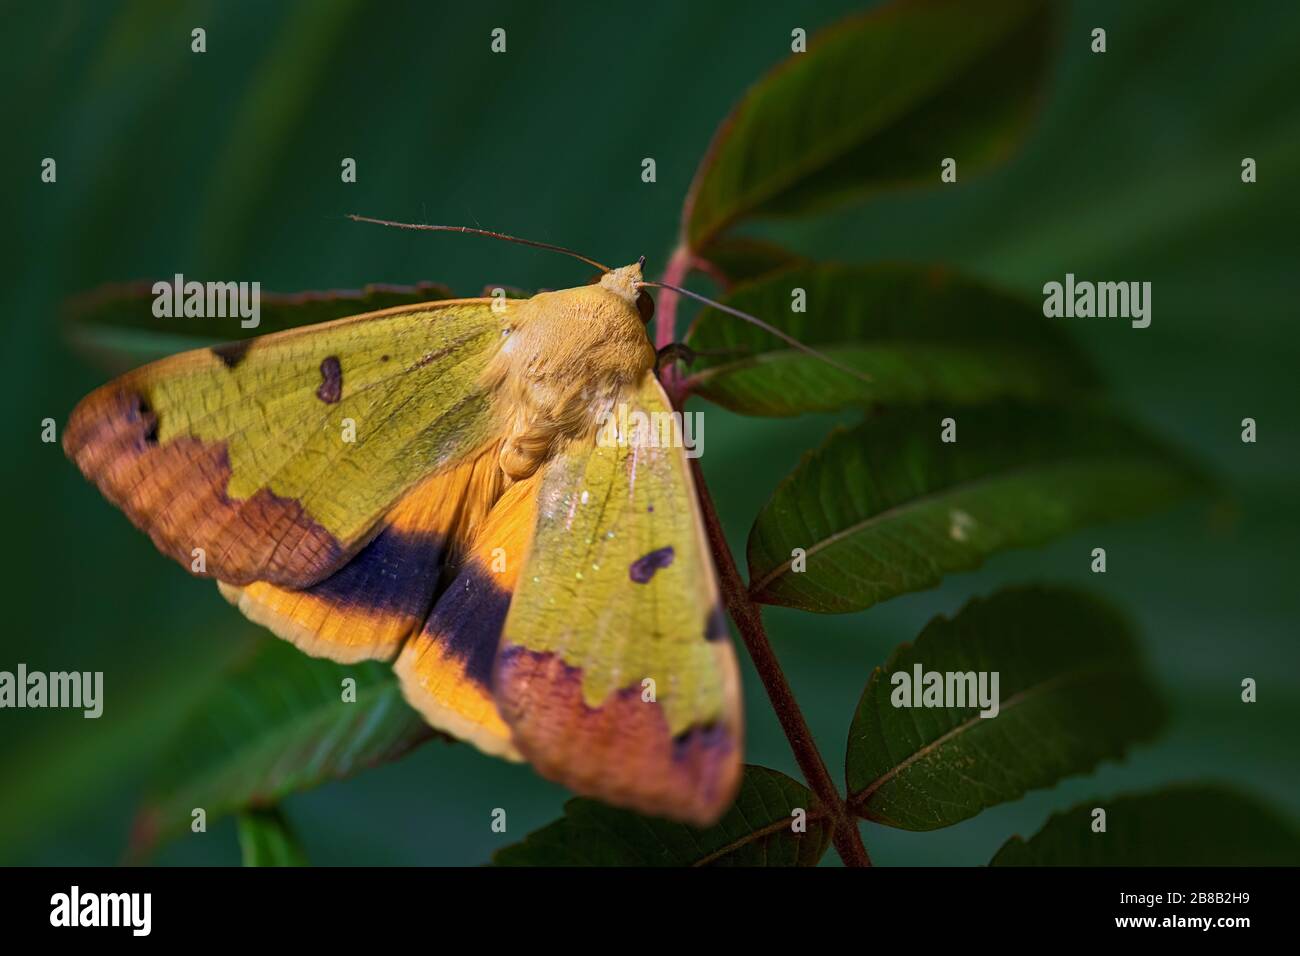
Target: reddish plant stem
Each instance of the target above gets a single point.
(749, 621)
(746, 614)
(679, 266)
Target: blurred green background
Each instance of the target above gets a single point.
(226, 165)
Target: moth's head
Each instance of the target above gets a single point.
(625, 283)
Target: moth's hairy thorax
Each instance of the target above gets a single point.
(565, 360)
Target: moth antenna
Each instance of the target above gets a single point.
(479, 232)
(770, 329)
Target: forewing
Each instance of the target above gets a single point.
(274, 459)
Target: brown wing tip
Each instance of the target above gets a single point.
(622, 751)
(176, 492)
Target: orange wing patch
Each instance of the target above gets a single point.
(370, 606)
(446, 669)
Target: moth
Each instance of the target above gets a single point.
(426, 485)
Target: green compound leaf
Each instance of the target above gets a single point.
(1184, 825)
(735, 259)
(876, 101)
(1071, 692)
(757, 831)
(279, 725)
(887, 507)
(921, 333)
(116, 325)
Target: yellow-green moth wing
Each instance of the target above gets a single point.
(616, 672)
(273, 459)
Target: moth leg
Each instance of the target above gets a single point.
(673, 352)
